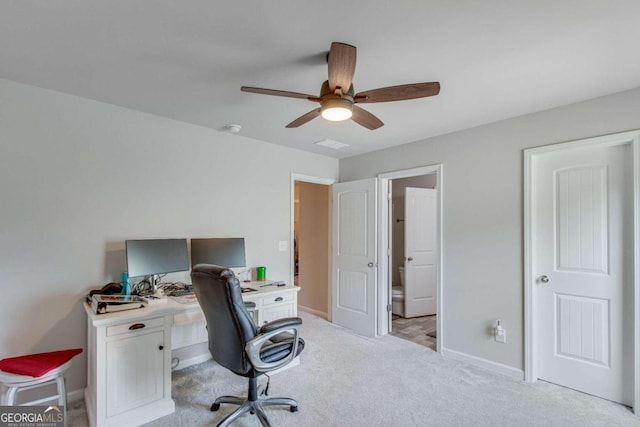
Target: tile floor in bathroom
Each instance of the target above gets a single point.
(421, 330)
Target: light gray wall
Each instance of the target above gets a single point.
(483, 212)
(78, 177)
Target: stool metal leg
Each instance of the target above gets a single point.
(11, 396)
(62, 396)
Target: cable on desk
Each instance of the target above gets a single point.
(142, 287)
(177, 289)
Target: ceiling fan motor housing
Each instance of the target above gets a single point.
(325, 90)
(336, 105)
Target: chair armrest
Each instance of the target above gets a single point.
(254, 346)
(280, 323)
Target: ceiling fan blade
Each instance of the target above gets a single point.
(276, 92)
(342, 66)
(304, 118)
(365, 118)
(398, 93)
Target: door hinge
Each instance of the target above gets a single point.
(388, 307)
(388, 196)
(388, 252)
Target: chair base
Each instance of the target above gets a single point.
(251, 404)
(255, 407)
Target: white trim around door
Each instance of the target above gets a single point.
(530, 359)
(384, 273)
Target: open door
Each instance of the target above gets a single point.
(354, 267)
(421, 256)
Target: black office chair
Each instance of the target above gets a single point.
(237, 344)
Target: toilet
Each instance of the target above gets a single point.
(397, 296)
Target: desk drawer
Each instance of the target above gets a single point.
(139, 326)
(277, 299)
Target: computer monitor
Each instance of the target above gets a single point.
(225, 252)
(156, 256)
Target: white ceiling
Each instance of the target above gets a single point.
(186, 60)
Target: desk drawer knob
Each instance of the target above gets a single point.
(160, 347)
(136, 326)
(279, 299)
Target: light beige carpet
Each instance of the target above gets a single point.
(348, 380)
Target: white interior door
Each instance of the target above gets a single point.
(582, 239)
(420, 249)
(353, 284)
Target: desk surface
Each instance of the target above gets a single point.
(174, 307)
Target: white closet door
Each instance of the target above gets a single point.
(354, 271)
(582, 241)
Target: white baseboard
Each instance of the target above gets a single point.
(75, 395)
(484, 363)
(312, 311)
(184, 363)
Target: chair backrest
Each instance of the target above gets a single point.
(229, 324)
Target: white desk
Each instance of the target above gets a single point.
(129, 353)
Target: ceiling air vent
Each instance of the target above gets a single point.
(332, 144)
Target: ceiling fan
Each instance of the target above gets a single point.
(337, 96)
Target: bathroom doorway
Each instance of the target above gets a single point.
(412, 231)
(413, 259)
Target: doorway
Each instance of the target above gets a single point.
(310, 242)
(581, 266)
(413, 259)
(410, 256)
(361, 253)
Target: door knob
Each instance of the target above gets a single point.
(544, 279)
(371, 265)
(410, 258)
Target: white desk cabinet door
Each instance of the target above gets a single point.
(135, 371)
(277, 312)
(129, 367)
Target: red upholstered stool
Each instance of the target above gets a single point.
(35, 370)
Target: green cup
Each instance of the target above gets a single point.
(261, 273)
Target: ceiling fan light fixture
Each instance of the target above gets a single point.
(337, 109)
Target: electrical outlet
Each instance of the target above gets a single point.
(282, 245)
(500, 333)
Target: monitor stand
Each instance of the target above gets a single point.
(153, 281)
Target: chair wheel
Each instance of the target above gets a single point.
(215, 407)
(293, 409)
